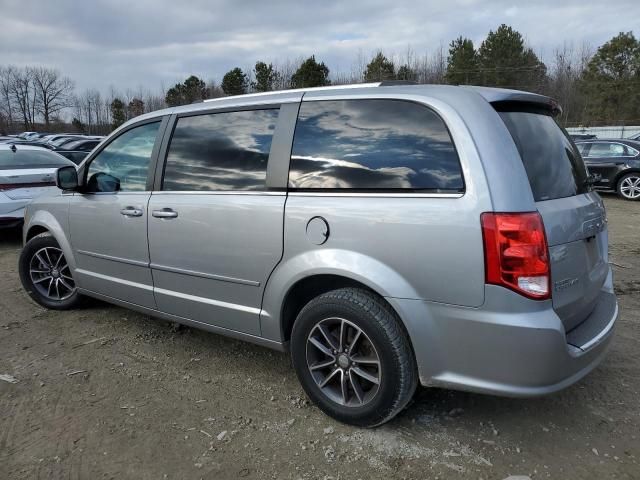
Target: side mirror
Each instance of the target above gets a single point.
(67, 178)
(103, 182)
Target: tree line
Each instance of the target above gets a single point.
(593, 87)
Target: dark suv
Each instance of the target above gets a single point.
(617, 161)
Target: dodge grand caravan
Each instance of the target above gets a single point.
(384, 235)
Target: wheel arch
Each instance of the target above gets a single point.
(34, 231)
(621, 174)
(43, 221)
(317, 271)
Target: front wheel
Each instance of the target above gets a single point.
(45, 274)
(629, 186)
(353, 358)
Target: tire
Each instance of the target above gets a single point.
(45, 275)
(340, 314)
(628, 186)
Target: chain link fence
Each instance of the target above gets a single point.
(621, 130)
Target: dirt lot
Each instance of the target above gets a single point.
(150, 402)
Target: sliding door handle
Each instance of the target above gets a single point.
(131, 212)
(164, 213)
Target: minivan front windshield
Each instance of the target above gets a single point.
(552, 162)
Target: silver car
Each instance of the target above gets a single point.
(385, 235)
(26, 172)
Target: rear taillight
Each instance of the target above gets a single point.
(516, 254)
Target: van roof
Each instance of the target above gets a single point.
(490, 94)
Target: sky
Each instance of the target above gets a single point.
(155, 43)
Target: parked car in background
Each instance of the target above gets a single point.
(635, 137)
(28, 135)
(617, 162)
(60, 141)
(26, 172)
(581, 136)
(385, 235)
(33, 143)
(77, 150)
(78, 143)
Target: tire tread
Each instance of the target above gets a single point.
(388, 320)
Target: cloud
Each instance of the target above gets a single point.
(152, 42)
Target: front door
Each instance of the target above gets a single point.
(108, 221)
(215, 231)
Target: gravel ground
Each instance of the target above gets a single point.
(104, 392)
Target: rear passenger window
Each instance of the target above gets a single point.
(220, 151)
(373, 145)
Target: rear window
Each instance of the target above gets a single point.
(372, 145)
(553, 164)
(22, 159)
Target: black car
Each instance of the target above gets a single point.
(576, 137)
(617, 161)
(77, 150)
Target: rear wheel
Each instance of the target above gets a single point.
(45, 274)
(629, 186)
(353, 358)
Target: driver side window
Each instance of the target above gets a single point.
(124, 164)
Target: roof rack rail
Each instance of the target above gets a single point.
(391, 83)
(304, 90)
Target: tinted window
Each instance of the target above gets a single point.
(632, 151)
(553, 165)
(583, 148)
(125, 161)
(606, 149)
(220, 151)
(83, 145)
(22, 159)
(372, 144)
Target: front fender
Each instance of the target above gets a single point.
(355, 266)
(55, 219)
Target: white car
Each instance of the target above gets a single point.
(26, 172)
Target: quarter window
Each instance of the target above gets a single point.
(373, 145)
(583, 148)
(123, 165)
(220, 151)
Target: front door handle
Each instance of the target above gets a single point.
(131, 212)
(164, 213)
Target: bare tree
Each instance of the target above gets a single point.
(52, 92)
(7, 109)
(22, 95)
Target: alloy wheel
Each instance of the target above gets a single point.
(343, 362)
(50, 274)
(630, 187)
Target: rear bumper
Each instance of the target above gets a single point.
(511, 346)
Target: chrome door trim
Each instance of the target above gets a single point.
(221, 192)
(375, 194)
(216, 303)
(102, 256)
(222, 278)
(109, 278)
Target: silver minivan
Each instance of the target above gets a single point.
(385, 235)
